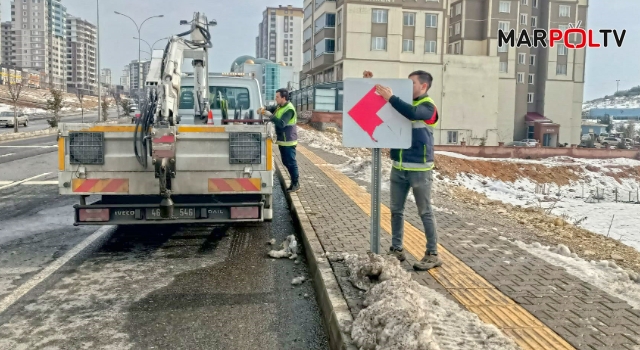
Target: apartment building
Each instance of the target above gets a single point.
(485, 94)
(125, 79)
(57, 48)
(105, 77)
(135, 85)
(6, 39)
(30, 21)
(280, 36)
(81, 56)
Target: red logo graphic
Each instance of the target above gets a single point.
(365, 112)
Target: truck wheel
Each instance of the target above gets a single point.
(26, 123)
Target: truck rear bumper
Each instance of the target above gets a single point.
(186, 211)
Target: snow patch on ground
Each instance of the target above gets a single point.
(401, 314)
(604, 274)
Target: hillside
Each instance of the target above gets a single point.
(35, 100)
(621, 99)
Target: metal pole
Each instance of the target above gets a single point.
(99, 73)
(139, 70)
(375, 200)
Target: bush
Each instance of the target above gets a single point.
(53, 122)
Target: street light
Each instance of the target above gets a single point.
(154, 44)
(138, 28)
(99, 73)
(146, 42)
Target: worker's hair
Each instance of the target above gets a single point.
(284, 93)
(423, 77)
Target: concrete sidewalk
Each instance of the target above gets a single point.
(537, 304)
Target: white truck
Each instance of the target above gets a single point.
(186, 160)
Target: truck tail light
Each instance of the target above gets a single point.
(94, 215)
(245, 213)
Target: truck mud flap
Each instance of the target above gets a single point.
(137, 214)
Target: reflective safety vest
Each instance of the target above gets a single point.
(288, 136)
(420, 156)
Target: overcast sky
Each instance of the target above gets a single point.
(238, 26)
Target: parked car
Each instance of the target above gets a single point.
(610, 141)
(530, 142)
(516, 144)
(630, 142)
(602, 136)
(6, 119)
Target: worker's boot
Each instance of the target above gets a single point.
(428, 262)
(295, 187)
(398, 253)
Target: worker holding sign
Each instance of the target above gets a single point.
(412, 168)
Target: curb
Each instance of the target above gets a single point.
(334, 308)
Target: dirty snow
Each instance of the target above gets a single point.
(401, 314)
(604, 274)
(289, 249)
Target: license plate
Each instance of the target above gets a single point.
(178, 213)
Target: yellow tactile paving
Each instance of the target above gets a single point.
(469, 288)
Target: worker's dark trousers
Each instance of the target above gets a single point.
(288, 154)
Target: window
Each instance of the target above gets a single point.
(534, 21)
(306, 36)
(456, 28)
(565, 11)
(339, 18)
(339, 44)
(522, 58)
(308, 11)
(452, 137)
(407, 45)
(524, 2)
(431, 20)
(306, 57)
(379, 16)
(561, 69)
(520, 78)
(504, 67)
(532, 60)
(503, 26)
(327, 20)
(430, 46)
(458, 8)
(532, 78)
(379, 43)
(450, 31)
(530, 97)
(503, 48)
(505, 7)
(325, 46)
(562, 50)
(523, 19)
(535, 3)
(409, 19)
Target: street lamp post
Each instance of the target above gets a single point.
(138, 28)
(98, 74)
(154, 44)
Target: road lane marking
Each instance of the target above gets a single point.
(5, 182)
(22, 181)
(31, 146)
(6, 155)
(472, 291)
(52, 268)
(52, 182)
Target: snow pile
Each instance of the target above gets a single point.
(575, 201)
(613, 102)
(604, 274)
(401, 314)
(289, 249)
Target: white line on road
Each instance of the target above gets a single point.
(5, 182)
(6, 155)
(23, 181)
(52, 182)
(51, 269)
(31, 146)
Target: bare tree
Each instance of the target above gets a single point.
(80, 96)
(126, 107)
(116, 100)
(55, 105)
(105, 108)
(14, 90)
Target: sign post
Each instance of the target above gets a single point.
(370, 122)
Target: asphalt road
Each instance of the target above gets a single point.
(41, 123)
(152, 287)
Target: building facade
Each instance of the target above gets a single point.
(7, 43)
(125, 80)
(486, 94)
(136, 87)
(105, 77)
(81, 56)
(57, 48)
(30, 24)
(280, 36)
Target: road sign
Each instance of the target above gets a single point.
(368, 120)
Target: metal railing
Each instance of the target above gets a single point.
(319, 97)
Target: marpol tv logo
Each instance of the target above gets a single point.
(573, 37)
